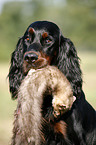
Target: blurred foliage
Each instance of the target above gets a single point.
(76, 19)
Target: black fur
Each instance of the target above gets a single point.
(81, 120)
(81, 126)
(66, 58)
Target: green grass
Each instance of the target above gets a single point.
(7, 106)
(88, 66)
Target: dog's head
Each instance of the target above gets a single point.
(43, 44)
(40, 43)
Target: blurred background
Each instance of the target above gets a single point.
(77, 21)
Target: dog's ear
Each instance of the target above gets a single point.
(68, 63)
(15, 71)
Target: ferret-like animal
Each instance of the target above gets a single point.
(28, 116)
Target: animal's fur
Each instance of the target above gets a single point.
(41, 44)
(28, 116)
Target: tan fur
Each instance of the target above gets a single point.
(60, 127)
(28, 116)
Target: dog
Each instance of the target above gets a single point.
(43, 44)
(43, 41)
(28, 122)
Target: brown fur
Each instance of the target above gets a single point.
(60, 127)
(28, 116)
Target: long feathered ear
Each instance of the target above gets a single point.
(15, 71)
(68, 63)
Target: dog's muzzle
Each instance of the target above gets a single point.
(34, 58)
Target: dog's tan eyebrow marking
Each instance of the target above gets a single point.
(31, 30)
(45, 34)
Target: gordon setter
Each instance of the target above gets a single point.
(43, 43)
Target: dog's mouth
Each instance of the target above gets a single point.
(35, 60)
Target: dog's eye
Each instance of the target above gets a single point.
(48, 40)
(27, 38)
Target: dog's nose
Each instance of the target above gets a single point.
(30, 57)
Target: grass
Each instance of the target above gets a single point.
(7, 106)
(88, 66)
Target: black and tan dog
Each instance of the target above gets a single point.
(43, 44)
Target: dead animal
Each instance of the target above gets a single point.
(28, 115)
